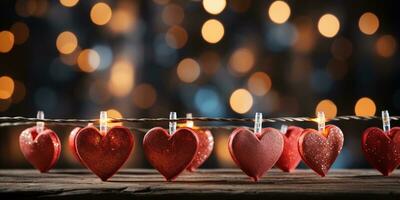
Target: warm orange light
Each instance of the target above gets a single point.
(66, 42)
(279, 12)
(241, 101)
(113, 113)
(88, 60)
(328, 25)
(221, 150)
(20, 31)
(176, 37)
(6, 87)
(188, 70)
(212, 31)
(69, 3)
(368, 23)
(386, 46)
(121, 78)
(242, 60)
(365, 107)
(172, 14)
(100, 13)
(259, 83)
(144, 96)
(328, 107)
(6, 41)
(214, 6)
(122, 20)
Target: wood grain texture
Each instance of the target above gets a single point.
(204, 184)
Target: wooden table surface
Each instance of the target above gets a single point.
(204, 184)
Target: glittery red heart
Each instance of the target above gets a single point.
(381, 149)
(104, 154)
(71, 144)
(42, 150)
(290, 157)
(206, 145)
(255, 153)
(170, 154)
(319, 151)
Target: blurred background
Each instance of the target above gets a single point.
(215, 58)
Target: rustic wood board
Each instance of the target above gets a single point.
(204, 184)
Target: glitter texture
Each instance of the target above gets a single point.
(206, 145)
(382, 150)
(170, 154)
(255, 154)
(290, 157)
(104, 154)
(42, 150)
(318, 151)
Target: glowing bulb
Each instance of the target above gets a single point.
(279, 12)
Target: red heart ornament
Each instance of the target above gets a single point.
(71, 143)
(206, 145)
(170, 154)
(290, 157)
(104, 153)
(255, 153)
(381, 149)
(42, 150)
(319, 151)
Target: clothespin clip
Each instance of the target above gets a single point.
(258, 122)
(189, 123)
(40, 124)
(103, 122)
(284, 128)
(172, 124)
(321, 122)
(386, 121)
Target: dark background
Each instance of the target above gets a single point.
(304, 67)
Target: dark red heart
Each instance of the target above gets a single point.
(42, 150)
(170, 154)
(320, 150)
(255, 153)
(206, 145)
(104, 153)
(290, 157)
(71, 143)
(381, 149)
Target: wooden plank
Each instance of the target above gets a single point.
(204, 184)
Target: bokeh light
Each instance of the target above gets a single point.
(242, 60)
(88, 60)
(100, 13)
(279, 12)
(122, 20)
(328, 25)
(6, 87)
(172, 14)
(69, 3)
(20, 31)
(176, 37)
(259, 83)
(241, 101)
(368, 23)
(212, 31)
(144, 96)
(122, 78)
(66, 42)
(328, 107)
(222, 152)
(365, 107)
(114, 113)
(6, 41)
(188, 70)
(386, 46)
(214, 6)
(208, 102)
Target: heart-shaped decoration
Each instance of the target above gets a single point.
(320, 150)
(255, 153)
(42, 149)
(104, 153)
(170, 154)
(381, 149)
(206, 145)
(290, 157)
(71, 143)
